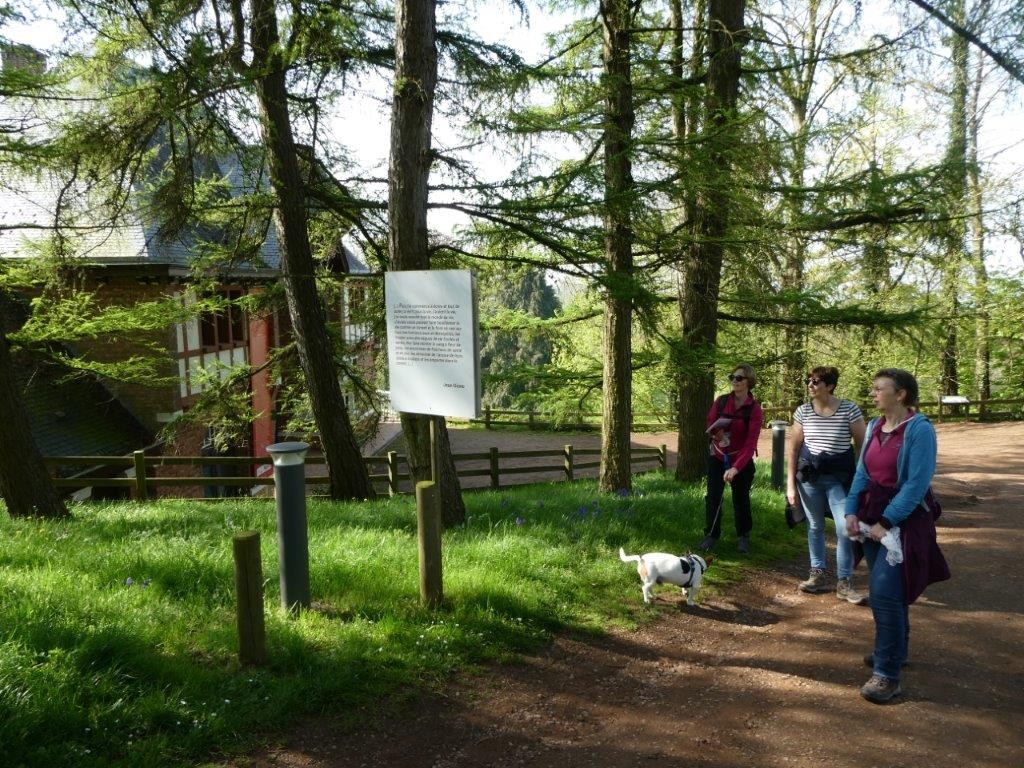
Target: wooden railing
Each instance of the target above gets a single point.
(494, 417)
(389, 473)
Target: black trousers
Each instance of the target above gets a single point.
(714, 502)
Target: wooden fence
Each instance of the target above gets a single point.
(389, 472)
(643, 422)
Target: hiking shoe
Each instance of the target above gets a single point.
(880, 689)
(708, 544)
(869, 661)
(815, 582)
(743, 545)
(845, 591)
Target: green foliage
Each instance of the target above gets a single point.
(512, 304)
(1007, 307)
(119, 645)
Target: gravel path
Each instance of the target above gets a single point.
(758, 675)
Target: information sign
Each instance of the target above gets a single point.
(433, 344)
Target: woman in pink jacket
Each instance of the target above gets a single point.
(734, 423)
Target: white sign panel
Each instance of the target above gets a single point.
(433, 347)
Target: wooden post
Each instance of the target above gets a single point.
(392, 473)
(568, 462)
(433, 449)
(252, 640)
(487, 417)
(141, 490)
(529, 418)
(495, 471)
(663, 457)
(428, 517)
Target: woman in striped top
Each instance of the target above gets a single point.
(820, 470)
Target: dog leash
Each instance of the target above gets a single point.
(721, 502)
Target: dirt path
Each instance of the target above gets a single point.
(761, 675)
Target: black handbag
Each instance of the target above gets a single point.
(795, 513)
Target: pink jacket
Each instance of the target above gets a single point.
(742, 441)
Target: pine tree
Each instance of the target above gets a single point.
(408, 175)
(25, 482)
(702, 267)
(508, 356)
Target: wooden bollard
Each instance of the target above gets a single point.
(252, 639)
(428, 517)
(392, 473)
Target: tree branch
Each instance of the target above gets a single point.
(1012, 68)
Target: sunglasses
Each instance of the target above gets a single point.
(814, 382)
(736, 377)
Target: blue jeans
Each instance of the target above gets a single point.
(826, 493)
(892, 615)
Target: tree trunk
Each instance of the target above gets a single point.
(702, 268)
(875, 278)
(25, 483)
(956, 197)
(688, 366)
(617, 80)
(686, 117)
(349, 478)
(982, 324)
(408, 175)
(794, 337)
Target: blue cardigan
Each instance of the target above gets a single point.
(915, 467)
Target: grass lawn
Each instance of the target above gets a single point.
(117, 627)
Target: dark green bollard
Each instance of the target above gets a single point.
(292, 535)
(779, 454)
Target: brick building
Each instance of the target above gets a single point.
(126, 263)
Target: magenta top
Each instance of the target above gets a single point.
(881, 453)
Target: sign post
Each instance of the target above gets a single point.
(434, 370)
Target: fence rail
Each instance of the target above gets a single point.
(144, 479)
(141, 477)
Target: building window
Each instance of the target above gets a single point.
(356, 295)
(211, 342)
(225, 328)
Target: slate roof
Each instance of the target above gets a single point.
(28, 204)
(27, 211)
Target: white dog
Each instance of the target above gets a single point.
(661, 568)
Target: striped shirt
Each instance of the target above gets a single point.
(828, 434)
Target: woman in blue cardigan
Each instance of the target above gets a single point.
(892, 488)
